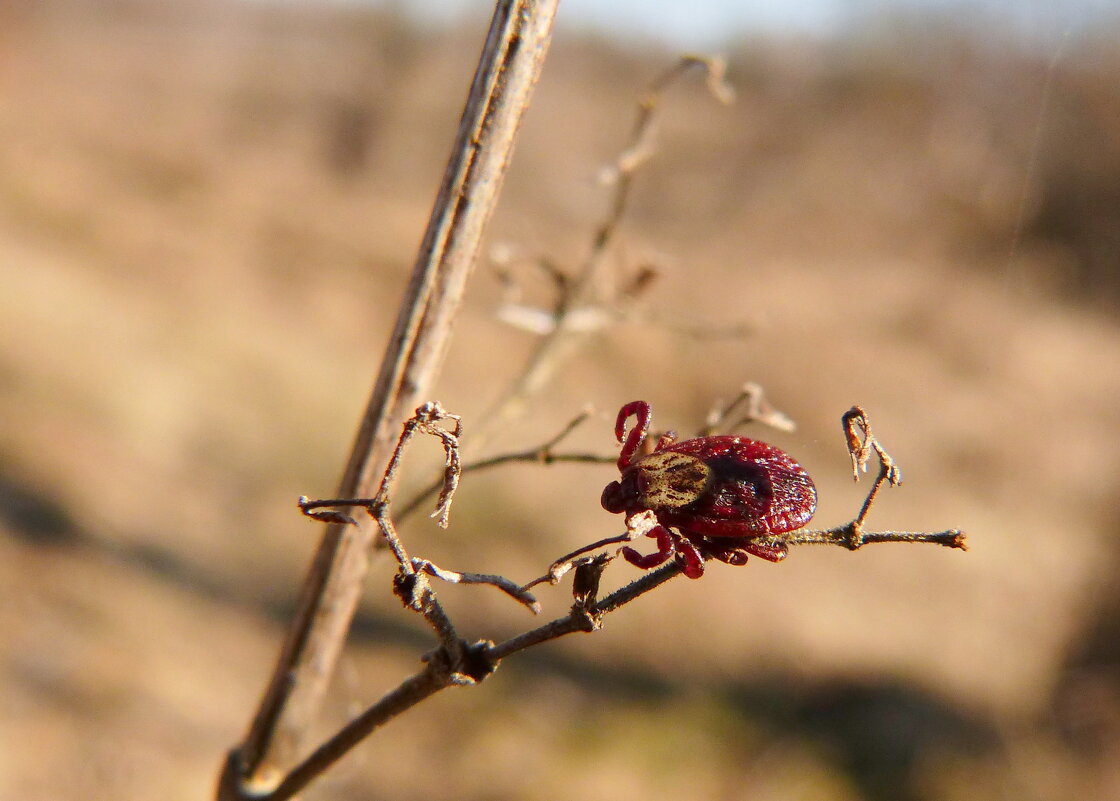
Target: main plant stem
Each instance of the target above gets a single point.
(511, 61)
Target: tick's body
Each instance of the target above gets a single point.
(714, 497)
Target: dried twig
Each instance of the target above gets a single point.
(542, 454)
(579, 305)
(861, 443)
(456, 662)
(508, 69)
(759, 410)
(413, 590)
(475, 663)
(636, 526)
(511, 61)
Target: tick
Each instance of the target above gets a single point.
(718, 497)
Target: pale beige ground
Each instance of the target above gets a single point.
(198, 272)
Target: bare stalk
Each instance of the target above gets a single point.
(861, 444)
(456, 662)
(542, 454)
(411, 692)
(759, 410)
(580, 295)
(465, 664)
(510, 64)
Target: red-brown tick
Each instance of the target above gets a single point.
(716, 497)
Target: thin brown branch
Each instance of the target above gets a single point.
(411, 692)
(473, 665)
(861, 444)
(578, 622)
(456, 662)
(853, 537)
(411, 584)
(510, 588)
(561, 566)
(569, 331)
(636, 526)
(511, 61)
(534, 456)
(759, 410)
(437, 676)
(542, 454)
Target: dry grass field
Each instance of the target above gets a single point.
(208, 211)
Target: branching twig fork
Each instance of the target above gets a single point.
(566, 336)
(438, 675)
(456, 662)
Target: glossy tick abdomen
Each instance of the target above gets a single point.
(713, 496)
(753, 489)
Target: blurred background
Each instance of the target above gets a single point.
(208, 211)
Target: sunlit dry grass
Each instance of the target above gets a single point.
(206, 217)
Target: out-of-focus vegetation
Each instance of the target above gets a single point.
(207, 213)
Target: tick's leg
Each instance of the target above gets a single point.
(692, 563)
(734, 551)
(571, 557)
(645, 561)
(632, 441)
(568, 561)
(665, 549)
(771, 553)
(731, 552)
